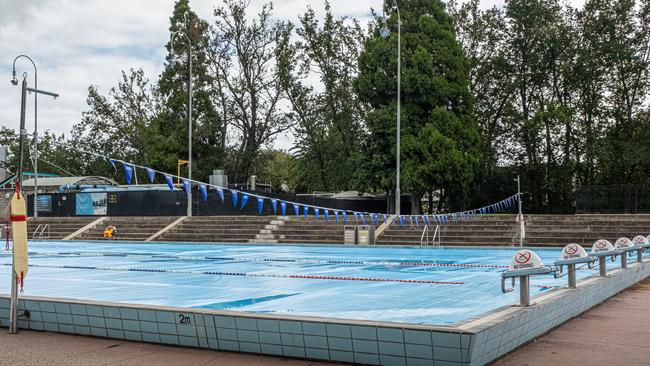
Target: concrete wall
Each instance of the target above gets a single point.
(475, 342)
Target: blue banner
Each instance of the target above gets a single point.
(204, 192)
(417, 222)
(220, 193)
(283, 208)
(260, 205)
(356, 218)
(345, 217)
(305, 210)
(336, 216)
(316, 213)
(244, 199)
(186, 185)
(152, 174)
(401, 220)
(363, 219)
(385, 218)
(296, 209)
(112, 162)
(274, 204)
(233, 195)
(170, 182)
(411, 220)
(128, 173)
(327, 215)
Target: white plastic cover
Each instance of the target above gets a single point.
(602, 245)
(623, 243)
(525, 259)
(640, 240)
(573, 250)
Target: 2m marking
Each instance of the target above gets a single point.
(184, 319)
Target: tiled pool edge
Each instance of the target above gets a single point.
(375, 343)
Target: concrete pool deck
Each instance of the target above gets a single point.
(613, 333)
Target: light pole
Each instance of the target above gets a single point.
(35, 157)
(384, 32)
(520, 216)
(189, 114)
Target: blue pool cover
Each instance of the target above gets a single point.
(412, 285)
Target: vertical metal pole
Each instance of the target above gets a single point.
(639, 255)
(572, 275)
(521, 216)
(35, 143)
(13, 312)
(189, 112)
(398, 194)
(524, 290)
(624, 260)
(602, 266)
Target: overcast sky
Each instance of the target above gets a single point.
(77, 43)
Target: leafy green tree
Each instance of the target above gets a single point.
(435, 87)
(168, 132)
(329, 119)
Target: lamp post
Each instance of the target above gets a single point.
(35, 157)
(385, 33)
(189, 114)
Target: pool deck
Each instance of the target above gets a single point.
(51, 349)
(613, 333)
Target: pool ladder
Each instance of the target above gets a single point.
(424, 238)
(40, 232)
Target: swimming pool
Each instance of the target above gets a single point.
(410, 285)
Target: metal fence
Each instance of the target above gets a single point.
(618, 199)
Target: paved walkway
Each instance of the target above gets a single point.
(614, 333)
(49, 349)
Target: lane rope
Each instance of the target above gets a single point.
(220, 273)
(392, 263)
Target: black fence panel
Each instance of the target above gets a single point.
(168, 203)
(615, 199)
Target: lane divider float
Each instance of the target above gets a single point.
(221, 273)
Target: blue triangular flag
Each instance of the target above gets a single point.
(385, 218)
(336, 216)
(401, 220)
(296, 209)
(363, 219)
(305, 211)
(244, 199)
(204, 192)
(170, 182)
(152, 174)
(128, 173)
(220, 193)
(186, 185)
(260, 205)
(356, 218)
(274, 204)
(233, 195)
(345, 217)
(316, 213)
(283, 208)
(112, 162)
(327, 215)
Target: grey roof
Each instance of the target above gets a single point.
(61, 181)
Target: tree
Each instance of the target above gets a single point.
(329, 119)
(247, 70)
(168, 133)
(435, 79)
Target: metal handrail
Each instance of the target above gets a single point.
(436, 234)
(425, 231)
(40, 231)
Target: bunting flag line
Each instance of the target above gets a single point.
(316, 213)
(305, 211)
(260, 205)
(244, 199)
(296, 209)
(336, 216)
(327, 215)
(283, 208)
(128, 173)
(152, 175)
(345, 217)
(186, 185)
(220, 193)
(233, 195)
(112, 162)
(204, 192)
(274, 204)
(170, 182)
